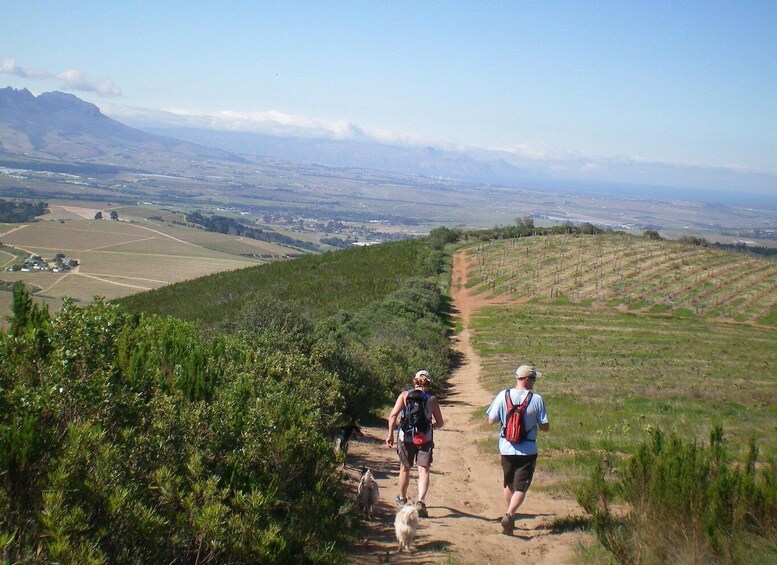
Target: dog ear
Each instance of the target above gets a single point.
(364, 469)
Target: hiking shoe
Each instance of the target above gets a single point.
(508, 524)
(400, 501)
(421, 509)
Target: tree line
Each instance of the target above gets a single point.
(19, 212)
(226, 225)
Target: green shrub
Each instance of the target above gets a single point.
(143, 440)
(686, 503)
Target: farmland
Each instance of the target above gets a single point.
(632, 273)
(630, 334)
(117, 258)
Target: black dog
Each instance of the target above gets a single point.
(342, 436)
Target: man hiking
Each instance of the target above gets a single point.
(521, 413)
(421, 415)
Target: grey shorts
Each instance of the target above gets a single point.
(410, 453)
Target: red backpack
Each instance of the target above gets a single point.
(515, 426)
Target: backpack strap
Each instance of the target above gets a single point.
(524, 405)
(509, 400)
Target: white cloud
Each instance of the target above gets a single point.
(537, 151)
(9, 67)
(590, 168)
(534, 158)
(271, 122)
(69, 79)
(76, 80)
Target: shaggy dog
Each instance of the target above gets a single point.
(405, 525)
(368, 493)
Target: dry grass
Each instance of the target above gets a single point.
(120, 258)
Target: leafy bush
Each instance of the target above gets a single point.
(372, 315)
(130, 439)
(401, 334)
(686, 503)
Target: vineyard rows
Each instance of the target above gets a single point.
(633, 273)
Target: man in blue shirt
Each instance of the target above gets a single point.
(518, 458)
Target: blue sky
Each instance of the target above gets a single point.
(689, 83)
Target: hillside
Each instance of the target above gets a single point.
(630, 273)
(650, 333)
(320, 284)
(646, 398)
(140, 421)
(160, 442)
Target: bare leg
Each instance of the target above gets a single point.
(423, 483)
(516, 499)
(404, 480)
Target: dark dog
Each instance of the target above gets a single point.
(343, 435)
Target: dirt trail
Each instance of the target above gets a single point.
(465, 497)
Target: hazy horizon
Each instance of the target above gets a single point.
(683, 93)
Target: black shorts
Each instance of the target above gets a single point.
(408, 453)
(518, 471)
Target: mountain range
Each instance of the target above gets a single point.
(61, 127)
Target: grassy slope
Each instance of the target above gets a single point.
(614, 365)
(341, 280)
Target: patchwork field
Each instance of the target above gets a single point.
(617, 357)
(117, 258)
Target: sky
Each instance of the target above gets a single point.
(679, 82)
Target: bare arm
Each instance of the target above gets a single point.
(392, 419)
(545, 427)
(439, 422)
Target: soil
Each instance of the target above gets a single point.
(464, 501)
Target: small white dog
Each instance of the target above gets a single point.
(405, 525)
(367, 493)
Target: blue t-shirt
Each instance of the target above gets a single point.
(535, 414)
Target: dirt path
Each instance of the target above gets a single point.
(465, 497)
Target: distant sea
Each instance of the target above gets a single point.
(733, 198)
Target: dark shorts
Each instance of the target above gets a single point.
(410, 453)
(518, 471)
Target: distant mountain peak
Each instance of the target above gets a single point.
(58, 125)
(10, 90)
